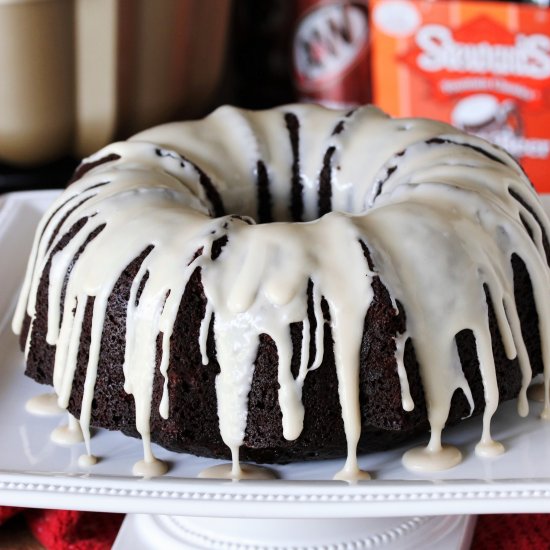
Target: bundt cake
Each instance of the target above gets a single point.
(290, 284)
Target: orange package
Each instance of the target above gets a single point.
(482, 66)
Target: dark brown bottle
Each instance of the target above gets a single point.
(261, 50)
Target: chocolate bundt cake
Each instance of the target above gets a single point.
(290, 284)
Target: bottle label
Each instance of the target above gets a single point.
(482, 66)
(330, 52)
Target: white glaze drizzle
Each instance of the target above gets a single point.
(149, 466)
(243, 471)
(437, 217)
(87, 460)
(68, 434)
(44, 404)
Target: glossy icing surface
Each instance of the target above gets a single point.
(237, 471)
(441, 214)
(68, 434)
(44, 404)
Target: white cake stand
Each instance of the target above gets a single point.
(144, 532)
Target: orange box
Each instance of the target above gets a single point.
(482, 66)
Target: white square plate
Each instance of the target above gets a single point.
(36, 472)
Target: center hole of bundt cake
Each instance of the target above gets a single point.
(295, 205)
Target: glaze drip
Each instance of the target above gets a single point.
(436, 216)
(43, 405)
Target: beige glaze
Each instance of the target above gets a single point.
(425, 459)
(150, 468)
(44, 404)
(242, 471)
(68, 434)
(489, 449)
(438, 218)
(87, 461)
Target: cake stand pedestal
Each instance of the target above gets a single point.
(144, 532)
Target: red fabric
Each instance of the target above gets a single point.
(69, 530)
(6, 512)
(512, 532)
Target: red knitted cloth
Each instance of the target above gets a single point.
(69, 530)
(512, 532)
(6, 512)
